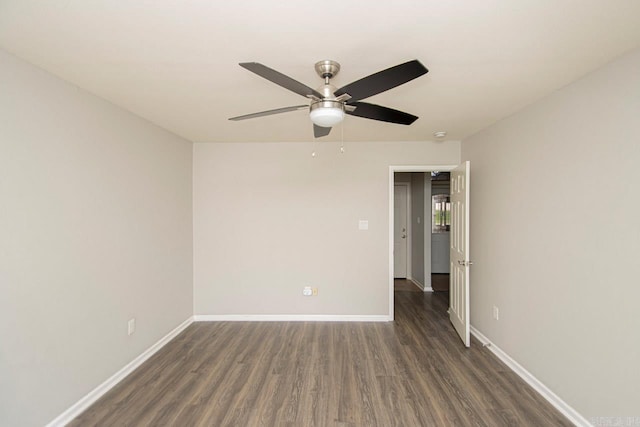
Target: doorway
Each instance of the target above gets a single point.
(422, 223)
(459, 243)
(440, 230)
(418, 229)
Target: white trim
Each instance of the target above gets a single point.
(391, 224)
(566, 410)
(427, 168)
(95, 394)
(392, 170)
(417, 283)
(420, 286)
(288, 318)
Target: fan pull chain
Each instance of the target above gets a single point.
(342, 138)
(314, 142)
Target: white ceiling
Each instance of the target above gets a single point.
(174, 62)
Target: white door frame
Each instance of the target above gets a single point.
(408, 221)
(392, 170)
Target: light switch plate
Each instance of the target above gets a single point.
(363, 224)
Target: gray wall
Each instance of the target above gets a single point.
(290, 220)
(95, 228)
(559, 261)
(417, 227)
(402, 176)
(440, 242)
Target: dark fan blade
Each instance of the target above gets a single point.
(280, 79)
(383, 80)
(319, 131)
(384, 114)
(270, 112)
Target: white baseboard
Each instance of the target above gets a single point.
(288, 318)
(422, 287)
(566, 410)
(95, 394)
(417, 283)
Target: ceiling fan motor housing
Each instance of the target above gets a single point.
(327, 112)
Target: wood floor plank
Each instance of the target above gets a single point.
(412, 372)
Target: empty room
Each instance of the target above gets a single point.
(203, 206)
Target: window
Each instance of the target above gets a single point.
(440, 213)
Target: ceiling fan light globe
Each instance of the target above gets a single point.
(327, 117)
(327, 113)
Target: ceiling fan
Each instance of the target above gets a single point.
(329, 105)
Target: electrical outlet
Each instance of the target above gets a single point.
(496, 313)
(131, 326)
(315, 292)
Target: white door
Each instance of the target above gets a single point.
(459, 252)
(400, 200)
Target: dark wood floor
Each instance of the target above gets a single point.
(405, 285)
(412, 372)
(440, 282)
